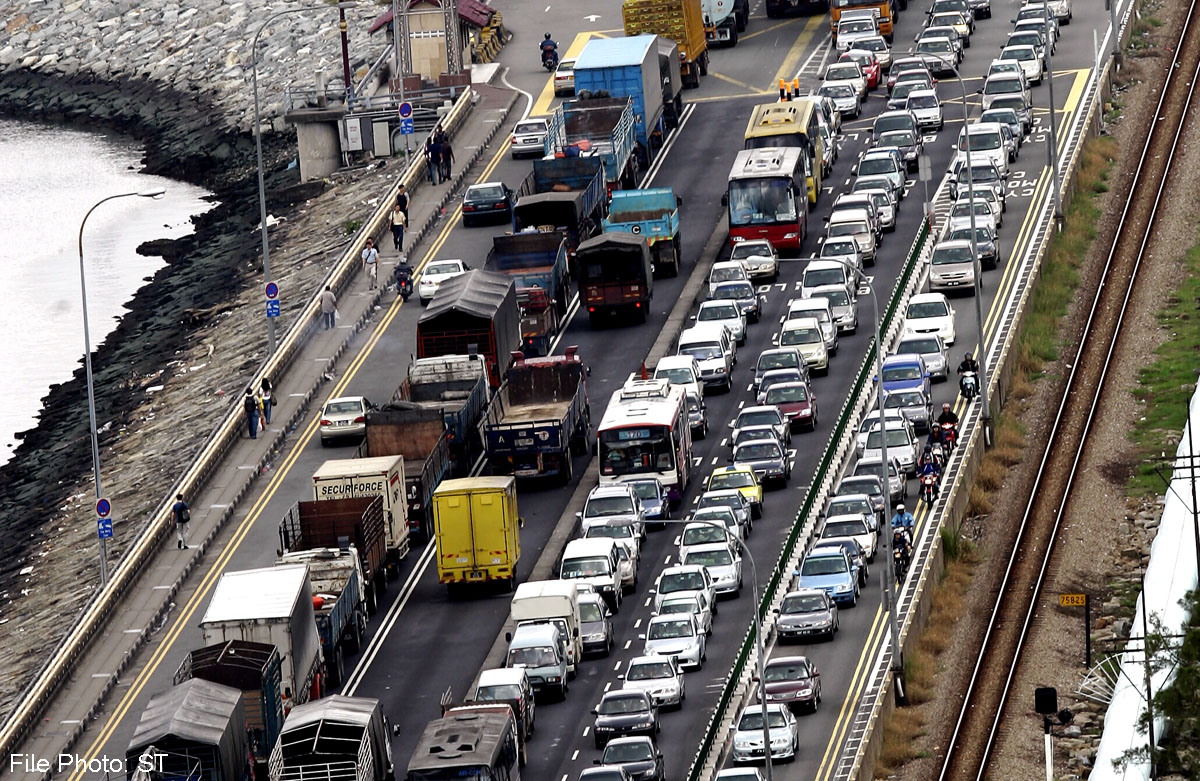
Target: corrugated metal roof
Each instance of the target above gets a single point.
(275, 591)
(343, 710)
(478, 293)
(614, 52)
(470, 11)
(195, 710)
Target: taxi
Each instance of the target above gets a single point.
(742, 478)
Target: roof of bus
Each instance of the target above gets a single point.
(460, 740)
(649, 409)
(757, 163)
(770, 119)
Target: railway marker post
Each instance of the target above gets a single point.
(1084, 601)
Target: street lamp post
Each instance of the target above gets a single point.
(87, 363)
(399, 8)
(262, 189)
(1052, 142)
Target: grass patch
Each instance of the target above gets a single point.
(351, 227)
(1166, 385)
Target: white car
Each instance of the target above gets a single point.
(805, 335)
(926, 106)
(845, 97)
(960, 215)
(842, 250)
(658, 676)
(435, 274)
(726, 271)
(842, 303)
(677, 636)
(981, 192)
(613, 502)
(726, 313)
(1027, 59)
(683, 579)
(739, 774)
(759, 258)
(878, 45)
(856, 224)
(848, 71)
(698, 535)
(853, 527)
(722, 563)
(930, 313)
(851, 31)
(902, 446)
(884, 161)
(723, 515)
(681, 370)
(695, 604)
(987, 143)
(344, 417)
(871, 422)
(748, 734)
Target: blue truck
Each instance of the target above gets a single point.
(537, 264)
(652, 214)
(539, 418)
(600, 127)
(627, 68)
(562, 195)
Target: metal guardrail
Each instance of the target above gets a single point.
(60, 666)
(802, 526)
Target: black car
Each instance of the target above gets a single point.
(985, 244)
(871, 485)
(639, 756)
(488, 201)
(623, 713)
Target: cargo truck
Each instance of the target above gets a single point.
(537, 264)
(672, 82)
(562, 195)
(336, 577)
(335, 739)
(474, 313)
(597, 127)
(724, 19)
(628, 68)
(477, 531)
(253, 669)
(541, 417)
(408, 429)
(615, 277)
(554, 602)
(272, 606)
(333, 522)
(196, 730)
(455, 386)
(681, 21)
(652, 214)
(365, 478)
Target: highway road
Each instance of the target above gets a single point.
(432, 642)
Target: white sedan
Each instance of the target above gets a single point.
(930, 313)
(435, 274)
(726, 313)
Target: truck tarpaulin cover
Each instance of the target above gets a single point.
(474, 301)
(196, 714)
(613, 257)
(333, 730)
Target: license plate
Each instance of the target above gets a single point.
(343, 423)
(524, 442)
(475, 575)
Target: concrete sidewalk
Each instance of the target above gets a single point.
(118, 650)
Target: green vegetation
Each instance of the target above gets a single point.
(352, 226)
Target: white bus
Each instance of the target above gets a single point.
(645, 433)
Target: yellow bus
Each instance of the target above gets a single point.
(790, 124)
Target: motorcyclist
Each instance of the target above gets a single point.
(947, 415)
(402, 276)
(903, 519)
(902, 545)
(927, 457)
(969, 364)
(931, 467)
(549, 49)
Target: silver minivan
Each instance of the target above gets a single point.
(714, 350)
(1004, 84)
(541, 650)
(855, 223)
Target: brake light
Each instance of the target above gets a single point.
(326, 422)
(360, 419)
(468, 207)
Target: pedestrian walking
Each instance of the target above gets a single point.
(183, 516)
(435, 161)
(328, 307)
(399, 223)
(370, 259)
(439, 135)
(429, 164)
(402, 201)
(447, 159)
(268, 401)
(250, 405)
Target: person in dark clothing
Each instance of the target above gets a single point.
(447, 160)
(429, 166)
(402, 201)
(435, 161)
(250, 404)
(182, 515)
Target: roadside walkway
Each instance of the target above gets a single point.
(147, 607)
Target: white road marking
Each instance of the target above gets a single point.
(627, 644)
(617, 666)
(637, 624)
(607, 686)
(575, 755)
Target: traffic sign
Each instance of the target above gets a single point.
(272, 290)
(104, 528)
(272, 307)
(103, 508)
(405, 110)
(924, 168)
(406, 127)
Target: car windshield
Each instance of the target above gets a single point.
(530, 127)
(927, 309)
(727, 274)
(922, 101)
(709, 558)
(897, 138)
(731, 502)
(617, 753)
(849, 506)
(1002, 86)
(700, 535)
(615, 706)
(785, 672)
(586, 568)
(876, 45)
(893, 122)
(590, 612)
(486, 192)
(877, 165)
(762, 417)
(964, 234)
(532, 657)
(754, 721)
(680, 581)
(897, 437)
(946, 255)
(756, 451)
(1005, 115)
(788, 394)
(901, 373)
(843, 72)
(824, 565)
(1021, 53)
(600, 506)
(982, 141)
(801, 336)
(434, 269)
(718, 312)
(785, 360)
(702, 352)
(750, 249)
(645, 489)
(731, 480)
(900, 91)
(838, 249)
(734, 291)
(844, 229)
(510, 691)
(649, 671)
(856, 26)
(678, 607)
(963, 209)
(934, 45)
(803, 603)
(837, 90)
(616, 531)
(918, 347)
(679, 376)
(670, 629)
(343, 407)
(844, 529)
(861, 485)
(949, 17)
(898, 400)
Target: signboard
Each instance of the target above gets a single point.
(1072, 600)
(103, 508)
(406, 127)
(272, 307)
(104, 528)
(272, 290)
(406, 110)
(924, 168)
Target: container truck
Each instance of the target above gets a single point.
(339, 607)
(326, 524)
(672, 81)
(196, 729)
(555, 602)
(681, 21)
(477, 531)
(652, 214)
(473, 314)
(562, 195)
(541, 417)
(599, 127)
(456, 387)
(408, 429)
(724, 19)
(272, 606)
(335, 739)
(537, 264)
(253, 669)
(365, 478)
(628, 68)
(615, 277)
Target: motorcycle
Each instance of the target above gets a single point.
(929, 489)
(949, 434)
(549, 59)
(404, 283)
(968, 385)
(900, 564)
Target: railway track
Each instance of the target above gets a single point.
(981, 713)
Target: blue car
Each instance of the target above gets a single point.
(905, 372)
(831, 571)
(655, 502)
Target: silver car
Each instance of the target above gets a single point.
(806, 613)
(932, 349)
(759, 258)
(728, 499)
(344, 417)
(845, 310)
(726, 313)
(915, 405)
(695, 604)
(748, 301)
(529, 138)
(722, 563)
(658, 676)
(677, 636)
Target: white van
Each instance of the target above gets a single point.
(554, 602)
(714, 350)
(595, 561)
(824, 272)
(680, 370)
(541, 650)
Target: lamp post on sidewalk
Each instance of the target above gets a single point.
(87, 363)
(1052, 142)
(262, 189)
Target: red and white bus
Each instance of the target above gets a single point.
(645, 433)
(768, 197)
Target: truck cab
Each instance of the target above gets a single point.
(541, 650)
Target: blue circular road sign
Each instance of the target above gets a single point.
(103, 508)
(272, 290)
(405, 110)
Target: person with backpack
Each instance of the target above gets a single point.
(183, 516)
(266, 400)
(250, 404)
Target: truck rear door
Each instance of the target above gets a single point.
(489, 525)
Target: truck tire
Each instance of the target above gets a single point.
(733, 32)
(335, 671)
(742, 15)
(703, 66)
(568, 469)
(372, 602)
(354, 633)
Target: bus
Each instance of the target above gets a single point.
(468, 743)
(765, 189)
(645, 433)
(884, 12)
(790, 124)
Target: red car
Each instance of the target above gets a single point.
(794, 681)
(796, 402)
(868, 62)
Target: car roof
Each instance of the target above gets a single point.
(718, 493)
(920, 93)
(903, 359)
(954, 243)
(611, 489)
(733, 283)
(620, 694)
(500, 676)
(709, 546)
(852, 497)
(808, 303)
(723, 264)
(800, 322)
(819, 289)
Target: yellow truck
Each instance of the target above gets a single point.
(681, 21)
(477, 530)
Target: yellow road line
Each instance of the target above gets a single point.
(541, 107)
(766, 30)
(876, 623)
(183, 621)
(737, 83)
(792, 60)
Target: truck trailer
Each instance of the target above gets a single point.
(334, 739)
(336, 577)
(474, 313)
(366, 478)
(615, 277)
(418, 433)
(326, 524)
(456, 387)
(652, 214)
(628, 68)
(590, 126)
(537, 264)
(563, 195)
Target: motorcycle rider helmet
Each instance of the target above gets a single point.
(967, 357)
(900, 508)
(546, 37)
(946, 406)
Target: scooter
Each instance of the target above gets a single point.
(404, 283)
(900, 564)
(929, 488)
(549, 59)
(949, 434)
(968, 385)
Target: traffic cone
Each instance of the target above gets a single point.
(644, 375)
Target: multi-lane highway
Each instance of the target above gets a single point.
(427, 642)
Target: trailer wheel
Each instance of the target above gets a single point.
(335, 671)
(568, 468)
(703, 66)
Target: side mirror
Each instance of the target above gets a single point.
(620, 676)
(725, 199)
(595, 712)
(651, 591)
(776, 611)
(641, 637)
(597, 761)
(508, 637)
(579, 515)
(678, 201)
(575, 631)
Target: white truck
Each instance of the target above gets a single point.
(273, 606)
(339, 605)
(551, 601)
(358, 478)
